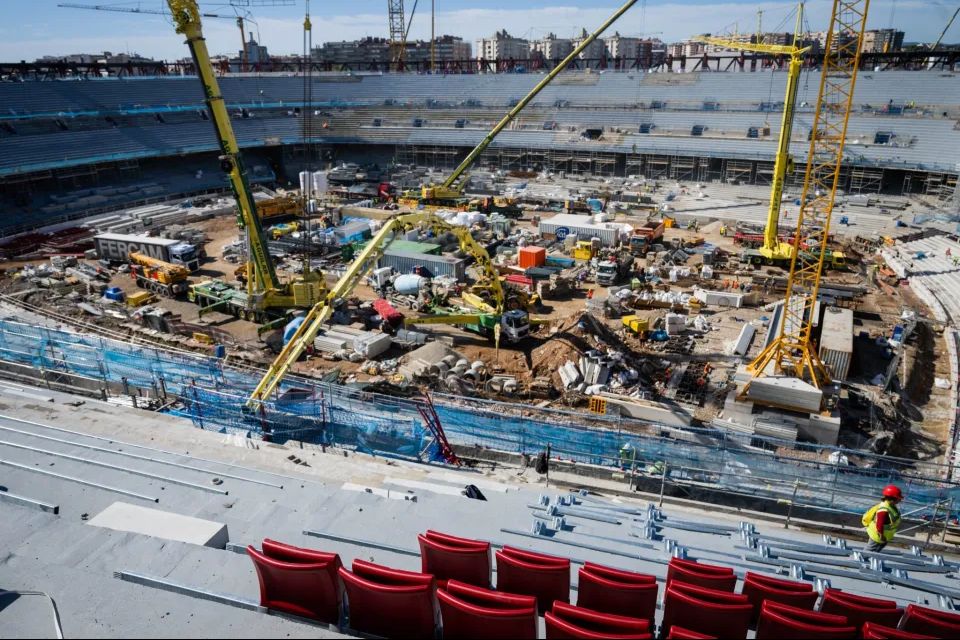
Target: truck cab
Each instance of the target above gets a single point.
(186, 255)
(515, 325)
(607, 272)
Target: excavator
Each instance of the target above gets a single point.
(514, 322)
(266, 296)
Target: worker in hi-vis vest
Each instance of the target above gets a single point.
(882, 520)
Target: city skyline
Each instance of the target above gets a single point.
(50, 31)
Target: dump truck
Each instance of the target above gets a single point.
(645, 237)
(158, 276)
(117, 247)
(614, 269)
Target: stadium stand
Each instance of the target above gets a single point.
(646, 121)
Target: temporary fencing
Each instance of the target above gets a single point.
(213, 395)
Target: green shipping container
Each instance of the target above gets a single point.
(409, 246)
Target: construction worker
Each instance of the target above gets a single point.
(883, 519)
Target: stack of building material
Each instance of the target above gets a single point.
(719, 298)
(742, 344)
(595, 367)
(785, 391)
(836, 341)
(675, 324)
(570, 375)
(371, 345)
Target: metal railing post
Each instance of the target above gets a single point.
(663, 483)
(793, 499)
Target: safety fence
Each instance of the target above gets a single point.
(213, 395)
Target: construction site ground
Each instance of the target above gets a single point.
(925, 407)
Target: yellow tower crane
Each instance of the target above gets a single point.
(773, 251)
(792, 352)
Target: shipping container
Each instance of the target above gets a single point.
(432, 266)
(836, 341)
(568, 224)
(410, 246)
(532, 257)
(117, 247)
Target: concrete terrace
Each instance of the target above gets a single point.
(362, 504)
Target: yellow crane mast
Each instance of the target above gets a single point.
(792, 352)
(264, 289)
(773, 250)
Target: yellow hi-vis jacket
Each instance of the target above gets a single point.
(869, 520)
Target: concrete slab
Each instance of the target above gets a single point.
(121, 516)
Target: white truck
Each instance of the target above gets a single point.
(116, 247)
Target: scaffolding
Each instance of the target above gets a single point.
(864, 180)
(213, 396)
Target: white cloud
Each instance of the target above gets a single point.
(154, 37)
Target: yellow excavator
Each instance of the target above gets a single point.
(264, 290)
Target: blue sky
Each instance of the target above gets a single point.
(32, 28)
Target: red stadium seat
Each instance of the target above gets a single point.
(932, 622)
(709, 611)
(615, 591)
(388, 602)
(679, 633)
(547, 578)
(783, 622)
(860, 609)
(874, 631)
(298, 581)
(469, 611)
(568, 621)
(760, 588)
(448, 557)
(705, 575)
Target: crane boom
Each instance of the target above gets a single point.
(946, 28)
(479, 149)
(772, 248)
(792, 352)
(362, 263)
(186, 17)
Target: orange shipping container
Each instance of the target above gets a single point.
(532, 257)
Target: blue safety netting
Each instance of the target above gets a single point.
(213, 396)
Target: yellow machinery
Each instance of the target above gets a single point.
(585, 250)
(284, 229)
(450, 193)
(279, 207)
(792, 351)
(264, 289)
(773, 251)
(157, 275)
(636, 324)
(515, 322)
(363, 262)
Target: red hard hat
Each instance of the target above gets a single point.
(892, 491)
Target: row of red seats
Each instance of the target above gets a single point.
(699, 600)
(702, 597)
